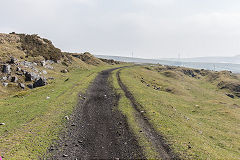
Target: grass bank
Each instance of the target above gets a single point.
(194, 115)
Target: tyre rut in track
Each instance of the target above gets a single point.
(97, 130)
(155, 138)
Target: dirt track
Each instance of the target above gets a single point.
(98, 130)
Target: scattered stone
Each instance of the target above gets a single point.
(5, 84)
(14, 79)
(27, 64)
(13, 60)
(19, 74)
(18, 69)
(44, 72)
(30, 86)
(21, 85)
(30, 76)
(189, 72)
(142, 111)
(65, 155)
(66, 117)
(64, 71)
(43, 63)
(48, 67)
(47, 97)
(51, 78)
(9, 78)
(49, 61)
(4, 78)
(39, 83)
(6, 68)
(2, 124)
(189, 145)
(66, 80)
(186, 118)
(230, 95)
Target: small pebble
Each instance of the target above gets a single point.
(2, 124)
(48, 97)
(65, 155)
(66, 117)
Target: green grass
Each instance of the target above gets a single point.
(197, 118)
(34, 122)
(124, 105)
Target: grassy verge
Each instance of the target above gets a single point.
(33, 121)
(126, 108)
(197, 119)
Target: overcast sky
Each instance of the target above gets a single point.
(148, 28)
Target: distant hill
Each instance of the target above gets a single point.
(234, 59)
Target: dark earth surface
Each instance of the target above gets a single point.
(97, 130)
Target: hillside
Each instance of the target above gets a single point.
(29, 61)
(39, 86)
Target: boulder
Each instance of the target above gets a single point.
(4, 78)
(31, 76)
(14, 79)
(5, 84)
(6, 68)
(39, 83)
(30, 86)
(13, 60)
(21, 85)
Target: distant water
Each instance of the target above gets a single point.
(235, 68)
